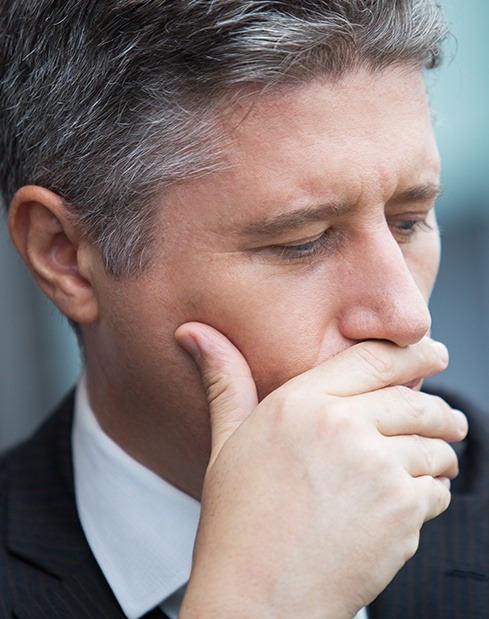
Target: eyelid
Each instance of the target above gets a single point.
(414, 210)
(303, 241)
(413, 214)
(315, 247)
(308, 249)
(417, 224)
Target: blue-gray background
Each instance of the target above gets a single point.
(38, 354)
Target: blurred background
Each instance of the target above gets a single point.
(39, 359)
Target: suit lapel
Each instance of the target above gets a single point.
(83, 594)
(53, 570)
(54, 567)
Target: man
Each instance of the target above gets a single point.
(232, 201)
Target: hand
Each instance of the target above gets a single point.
(314, 498)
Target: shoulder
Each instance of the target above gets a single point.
(46, 450)
(4, 592)
(57, 424)
(29, 467)
(29, 475)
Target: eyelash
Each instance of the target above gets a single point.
(408, 228)
(306, 250)
(404, 229)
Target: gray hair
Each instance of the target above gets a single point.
(106, 102)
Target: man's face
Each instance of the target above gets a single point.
(319, 234)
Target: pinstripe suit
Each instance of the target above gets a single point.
(47, 570)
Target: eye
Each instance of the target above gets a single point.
(406, 229)
(306, 249)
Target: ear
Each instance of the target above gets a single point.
(55, 251)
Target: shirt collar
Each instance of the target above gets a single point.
(140, 528)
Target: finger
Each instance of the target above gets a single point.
(424, 456)
(372, 365)
(230, 388)
(400, 410)
(436, 496)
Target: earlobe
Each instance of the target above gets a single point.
(54, 251)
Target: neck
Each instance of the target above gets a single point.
(172, 441)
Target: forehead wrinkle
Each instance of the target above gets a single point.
(276, 224)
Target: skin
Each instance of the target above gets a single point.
(361, 143)
(298, 280)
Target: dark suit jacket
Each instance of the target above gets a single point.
(448, 578)
(47, 570)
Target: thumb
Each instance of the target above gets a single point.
(230, 388)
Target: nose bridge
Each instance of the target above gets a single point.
(384, 300)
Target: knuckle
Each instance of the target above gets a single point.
(287, 407)
(427, 356)
(332, 426)
(219, 388)
(288, 402)
(415, 403)
(376, 458)
(378, 359)
(345, 421)
(411, 545)
(440, 497)
(443, 409)
(407, 500)
(339, 414)
(440, 403)
(426, 454)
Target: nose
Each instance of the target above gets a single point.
(383, 300)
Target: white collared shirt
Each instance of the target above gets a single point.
(140, 528)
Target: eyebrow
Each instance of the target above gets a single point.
(276, 224)
(419, 193)
(285, 221)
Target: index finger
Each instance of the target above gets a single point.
(372, 365)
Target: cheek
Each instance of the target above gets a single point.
(424, 263)
(278, 324)
(137, 333)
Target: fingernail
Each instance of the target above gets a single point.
(191, 346)
(445, 481)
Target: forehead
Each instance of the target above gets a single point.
(365, 115)
(364, 137)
